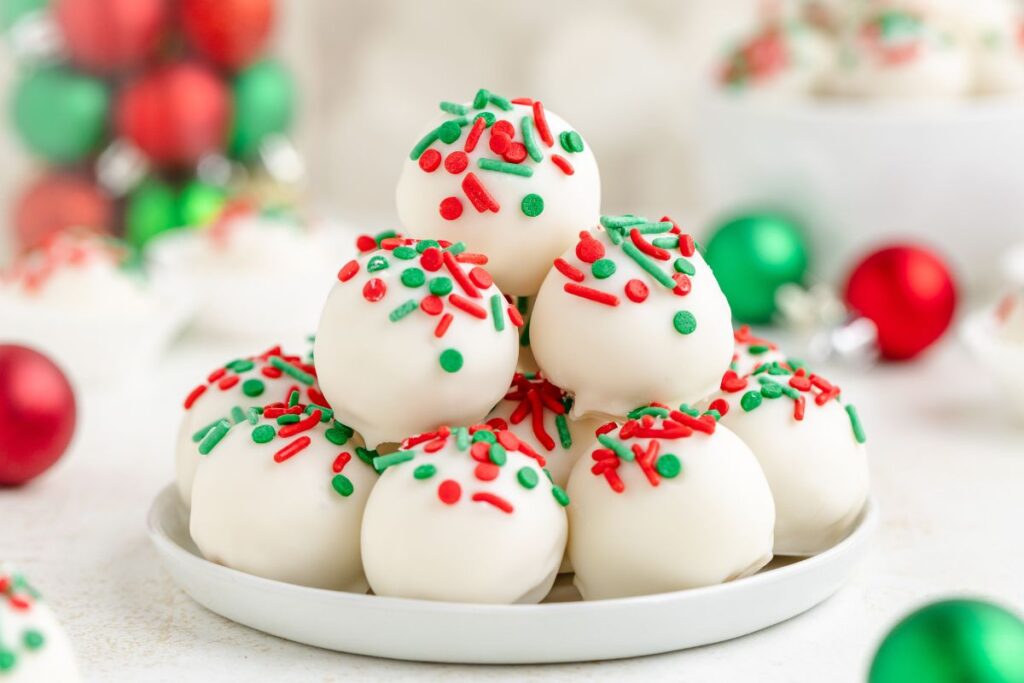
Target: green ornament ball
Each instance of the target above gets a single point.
(13, 10)
(753, 255)
(200, 203)
(60, 115)
(953, 641)
(264, 103)
(152, 209)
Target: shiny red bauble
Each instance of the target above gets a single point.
(37, 414)
(175, 113)
(57, 201)
(230, 33)
(111, 35)
(910, 295)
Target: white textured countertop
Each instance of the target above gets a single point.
(948, 474)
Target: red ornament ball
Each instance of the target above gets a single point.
(56, 202)
(111, 35)
(176, 113)
(37, 414)
(230, 33)
(910, 295)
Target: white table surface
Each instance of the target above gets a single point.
(947, 468)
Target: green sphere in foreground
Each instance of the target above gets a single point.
(752, 255)
(953, 641)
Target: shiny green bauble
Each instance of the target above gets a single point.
(954, 641)
(13, 10)
(152, 209)
(60, 115)
(752, 255)
(264, 102)
(200, 203)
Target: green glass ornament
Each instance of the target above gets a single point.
(264, 102)
(59, 114)
(200, 203)
(953, 641)
(152, 209)
(13, 10)
(752, 255)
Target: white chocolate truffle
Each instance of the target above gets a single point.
(464, 517)
(281, 495)
(668, 500)
(413, 336)
(996, 31)
(752, 351)
(896, 52)
(33, 646)
(509, 179)
(537, 412)
(1010, 318)
(810, 446)
(621, 321)
(227, 393)
(781, 58)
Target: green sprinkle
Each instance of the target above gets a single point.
(252, 416)
(33, 639)
(237, 414)
(530, 139)
(383, 462)
(404, 253)
(571, 141)
(481, 99)
(456, 248)
(454, 108)
(365, 454)
(564, 435)
(684, 266)
(451, 360)
(376, 263)
(423, 245)
(293, 399)
(560, 495)
(615, 236)
(855, 423)
(527, 477)
(440, 286)
(668, 466)
(240, 366)
(504, 167)
(343, 485)
(484, 435)
(461, 438)
(647, 410)
(198, 436)
(498, 454)
(449, 131)
(655, 228)
(499, 102)
(403, 310)
(326, 414)
(617, 446)
(413, 277)
(421, 146)
(791, 392)
(381, 236)
(771, 390)
(488, 118)
(292, 371)
(622, 221)
(253, 387)
(603, 268)
(263, 434)
(666, 242)
(750, 400)
(714, 413)
(758, 349)
(498, 312)
(532, 205)
(7, 660)
(214, 436)
(648, 265)
(684, 322)
(424, 471)
(689, 410)
(288, 419)
(336, 436)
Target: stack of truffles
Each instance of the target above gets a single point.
(654, 450)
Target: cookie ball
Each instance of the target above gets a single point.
(33, 646)
(752, 351)
(781, 58)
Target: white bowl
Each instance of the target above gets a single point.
(858, 174)
(562, 629)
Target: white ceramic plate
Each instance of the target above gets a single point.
(563, 629)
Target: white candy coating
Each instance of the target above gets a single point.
(996, 32)
(385, 377)
(615, 358)
(282, 520)
(31, 633)
(520, 247)
(709, 524)
(752, 351)
(416, 546)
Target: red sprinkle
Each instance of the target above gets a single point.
(605, 428)
(301, 426)
(503, 127)
(458, 275)
(525, 101)
(316, 397)
(496, 501)
(228, 382)
(468, 306)
(471, 257)
(508, 440)
(481, 278)
(435, 445)
(449, 492)
(591, 294)
(442, 326)
(562, 163)
(704, 424)
(456, 162)
(500, 142)
(683, 284)
(291, 449)
(270, 372)
(340, 462)
(646, 247)
(430, 160)
(515, 316)
(349, 270)
(374, 289)
(478, 194)
(569, 270)
(486, 471)
(194, 395)
(216, 374)
(431, 259)
(366, 242)
(474, 134)
(450, 208)
(721, 405)
(589, 249)
(731, 382)
(686, 245)
(540, 122)
(516, 153)
(799, 407)
(637, 291)
(432, 305)
(480, 451)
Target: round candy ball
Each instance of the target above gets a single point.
(55, 202)
(111, 35)
(264, 103)
(230, 33)
(414, 335)
(953, 641)
(60, 115)
(176, 113)
(909, 294)
(752, 256)
(510, 179)
(37, 414)
(151, 209)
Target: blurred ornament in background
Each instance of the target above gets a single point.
(230, 33)
(752, 255)
(14, 11)
(37, 414)
(120, 167)
(263, 99)
(175, 113)
(151, 209)
(31, 31)
(60, 115)
(909, 294)
(953, 641)
(56, 202)
(199, 203)
(111, 35)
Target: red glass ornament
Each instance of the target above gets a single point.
(111, 35)
(57, 201)
(910, 295)
(230, 33)
(37, 414)
(175, 113)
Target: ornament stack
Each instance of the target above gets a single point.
(148, 114)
